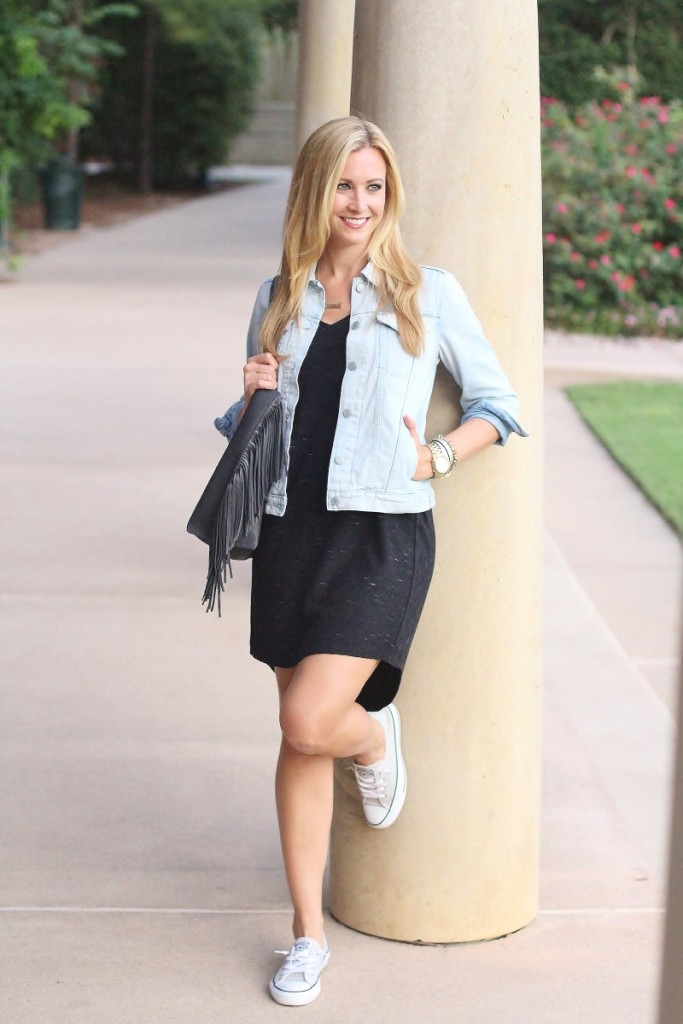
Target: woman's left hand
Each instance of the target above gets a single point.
(423, 470)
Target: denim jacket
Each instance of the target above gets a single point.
(373, 455)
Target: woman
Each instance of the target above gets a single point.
(351, 333)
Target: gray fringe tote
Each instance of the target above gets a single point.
(229, 513)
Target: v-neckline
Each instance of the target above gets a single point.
(334, 323)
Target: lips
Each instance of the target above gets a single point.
(355, 222)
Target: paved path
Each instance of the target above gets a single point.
(140, 878)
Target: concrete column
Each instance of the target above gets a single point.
(671, 1005)
(455, 86)
(325, 58)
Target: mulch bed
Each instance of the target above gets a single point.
(105, 203)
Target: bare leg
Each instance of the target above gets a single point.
(320, 721)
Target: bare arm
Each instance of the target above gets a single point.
(469, 438)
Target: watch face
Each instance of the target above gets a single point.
(441, 463)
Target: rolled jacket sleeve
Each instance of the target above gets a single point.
(470, 359)
(227, 423)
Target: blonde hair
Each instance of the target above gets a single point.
(307, 230)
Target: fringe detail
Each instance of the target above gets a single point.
(241, 508)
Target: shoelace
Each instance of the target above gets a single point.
(297, 958)
(372, 782)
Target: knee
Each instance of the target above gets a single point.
(303, 729)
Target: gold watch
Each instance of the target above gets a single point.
(443, 457)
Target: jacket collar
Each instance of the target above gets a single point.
(368, 273)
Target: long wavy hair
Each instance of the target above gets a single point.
(307, 229)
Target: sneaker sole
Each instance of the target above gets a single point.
(401, 774)
(295, 998)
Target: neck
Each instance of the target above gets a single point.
(341, 265)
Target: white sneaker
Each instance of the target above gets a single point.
(383, 785)
(298, 980)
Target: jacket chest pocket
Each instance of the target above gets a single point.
(392, 358)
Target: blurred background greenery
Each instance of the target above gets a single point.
(159, 93)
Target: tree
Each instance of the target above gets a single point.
(47, 56)
(280, 14)
(576, 36)
(168, 111)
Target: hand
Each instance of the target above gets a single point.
(259, 372)
(423, 470)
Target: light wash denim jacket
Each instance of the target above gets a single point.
(373, 455)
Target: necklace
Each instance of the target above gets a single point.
(333, 305)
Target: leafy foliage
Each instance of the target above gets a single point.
(48, 56)
(576, 36)
(613, 213)
(280, 14)
(204, 74)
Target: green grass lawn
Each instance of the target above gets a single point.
(641, 425)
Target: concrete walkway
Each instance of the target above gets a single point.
(140, 878)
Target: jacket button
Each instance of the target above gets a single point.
(355, 325)
(334, 501)
(352, 366)
(337, 460)
(346, 413)
(360, 287)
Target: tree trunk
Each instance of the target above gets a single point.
(146, 169)
(630, 34)
(4, 209)
(77, 91)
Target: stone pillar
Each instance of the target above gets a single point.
(671, 1005)
(455, 86)
(325, 59)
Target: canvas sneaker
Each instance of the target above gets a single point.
(382, 785)
(298, 980)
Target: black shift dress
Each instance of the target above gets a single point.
(343, 582)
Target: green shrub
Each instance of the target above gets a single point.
(576, 36)
(612, 214)
(205, 70)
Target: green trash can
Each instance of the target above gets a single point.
(62, 183)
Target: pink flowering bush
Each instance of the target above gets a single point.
(613, 215)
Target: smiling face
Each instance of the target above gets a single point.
(359, 200)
